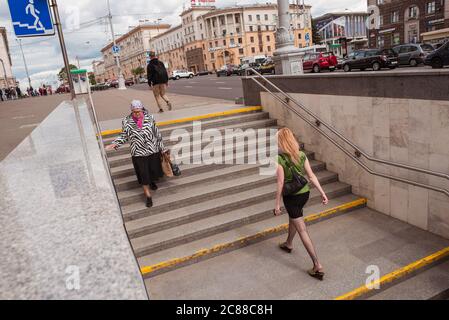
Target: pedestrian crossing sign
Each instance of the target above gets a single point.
(31, 18)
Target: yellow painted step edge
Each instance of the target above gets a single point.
(194, 118)
(166, 264)
(395, 275)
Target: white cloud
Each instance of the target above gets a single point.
(43, 54)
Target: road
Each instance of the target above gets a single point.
(210, 86)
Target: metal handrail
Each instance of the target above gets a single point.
(358, 150)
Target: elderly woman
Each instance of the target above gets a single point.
(139, 128)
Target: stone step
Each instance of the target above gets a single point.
(187, 253)
(130, 196)
(422, 285)
(127, 170)
(116, 160)
(159, 222)
(207, 124)
(133, 204)
(189, 232)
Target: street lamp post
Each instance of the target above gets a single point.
(287, 58)
(24, 62)
(121, 80)
(4, 72)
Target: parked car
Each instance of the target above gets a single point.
(143, 80)
(267, 67)
(178, 74)
(129, 82)
(315, 62)
(228, 70)
(370, 59)
(113, 83)
(242, 69)
(439, 58)
(202, 73)
(413, 54)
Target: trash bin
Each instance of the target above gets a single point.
(80, 81)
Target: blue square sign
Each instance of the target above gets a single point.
(31, 18)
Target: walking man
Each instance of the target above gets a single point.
(158, 79)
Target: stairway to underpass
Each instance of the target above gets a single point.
(211, 233)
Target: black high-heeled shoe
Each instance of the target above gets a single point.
(283, 246)
(316, 274)
(149, 202)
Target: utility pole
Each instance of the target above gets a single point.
(24, 62)
(121, 80)
(54, 5)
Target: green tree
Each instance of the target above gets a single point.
(62, 75)
(137, 72)
(92, 79)
(315, 35)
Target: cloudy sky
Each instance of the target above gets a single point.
(43, 53)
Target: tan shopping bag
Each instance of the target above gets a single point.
(166, 166)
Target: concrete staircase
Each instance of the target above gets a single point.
(208, 204)
(211, 210)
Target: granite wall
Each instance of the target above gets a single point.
(62, 233)
(410, 131)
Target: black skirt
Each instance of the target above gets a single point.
(294, 204)
(148, 169)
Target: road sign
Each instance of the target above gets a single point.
(31, 18)
(307, 37)
(115, 49)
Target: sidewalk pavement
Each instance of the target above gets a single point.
(113, 104)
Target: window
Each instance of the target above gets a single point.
(266, 17)
(212, 55)
(250, 17)
(251, 28)
(251, 39)
(253, 50)
(241, 51)
(379, 2)
(430, 8)
(381, 20)
(240, 40)
(413, 12)
(237, 18)
(396, 39)
(258, 17)
(395, 17)
(299, 36)
(268, 38)
(237, 30)
(380, 41)
(269, 48)
(224, 42)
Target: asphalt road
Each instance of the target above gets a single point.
(211, 86)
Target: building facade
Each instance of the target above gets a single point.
(7, 80)
(405, 21)
(343, 32)
(209, 38)
(99, 71)
(134, 48)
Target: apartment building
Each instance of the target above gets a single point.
(343, 32)
(209, 38)
(409, 21)
(134, 48)
(99, 71)
(7, 80)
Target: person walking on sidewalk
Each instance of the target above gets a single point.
(139, 128)
(292, 158)
(158, 79)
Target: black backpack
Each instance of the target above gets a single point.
(160, 73)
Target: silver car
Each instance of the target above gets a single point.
(413, 54)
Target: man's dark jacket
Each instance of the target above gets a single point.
(156, 72)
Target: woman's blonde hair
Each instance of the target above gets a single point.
(287, 142)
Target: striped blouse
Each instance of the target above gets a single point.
(143, 142)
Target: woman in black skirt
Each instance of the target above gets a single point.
(294, 159)
(139, 128)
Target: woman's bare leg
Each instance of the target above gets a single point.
(291, 234)
(307, 242)
(146, 191)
